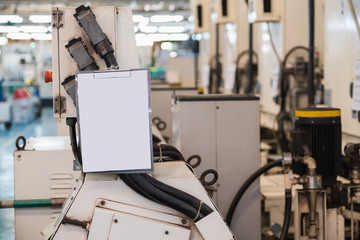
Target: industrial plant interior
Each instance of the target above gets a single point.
(180, 120)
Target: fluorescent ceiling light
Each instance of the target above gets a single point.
(3, 41)
(178, 37)
(149, 29)
(41, 36)
(11, 19)
(9, 29)
(166, 18)
(137, 18)
(19, 36)
(158, 37)
(40, 18)
(34, 29)
(171, 29)
(143, 40)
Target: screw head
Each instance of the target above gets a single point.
(115, 221)
(166, 232)
(183, 221)
(102, 203)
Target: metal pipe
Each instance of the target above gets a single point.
(250, 63)
(311, 53)
(32, 203)
(217, 59)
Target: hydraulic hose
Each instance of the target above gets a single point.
(165, 147)
(71, 122)
(246, 185)
(287, 214)
(183, 196)
(164, 198)
(173, 155)
(130, 184)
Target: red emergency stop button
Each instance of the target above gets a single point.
(48, 76)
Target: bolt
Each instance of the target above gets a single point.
(61, 13)
(217, 107)
(167, 232)
(74, 188)
(19, 157)
(71, 198)
(56, 111)
(56, 99)
(63, 110)
(61, 25)
(54, 25)
(183, 221)
(53, 13)
(102, 202)
(115, 221)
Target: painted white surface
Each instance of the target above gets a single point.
(342, 48)
(291, 31)
(122, 128)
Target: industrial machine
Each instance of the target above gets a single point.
(119, 188)
(227, 141)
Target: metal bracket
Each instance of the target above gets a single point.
(57, 19)
(59, 105)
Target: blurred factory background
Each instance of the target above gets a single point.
(239, 82)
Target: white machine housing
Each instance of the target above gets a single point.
(264, 10)
(161, 105)
(225, 11)
(116, 23)
(201, 11)
(55, 180)
(224, 131)
(111, 210)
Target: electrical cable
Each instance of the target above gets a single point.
(171, 154)
(130, 184)
(183, 196)
(272, 43)
(237, 82)
(287, 215)
(246, 185)
(164, 198)
(71, 122)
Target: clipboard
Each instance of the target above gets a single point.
(114, 119)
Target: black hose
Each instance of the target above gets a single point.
(130, 184)
(165, 147)
(71, 122)
(287, 214)
(183, 196)
(172, 154)
(250, 63)
(290, 52)
(164, 198)
(246, 185)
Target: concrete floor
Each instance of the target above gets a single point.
(44, 126)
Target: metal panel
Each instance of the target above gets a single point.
(226, 135)
(161, 106)
(193, 133)
(52, 173)
(150, 229)
(238, 155)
